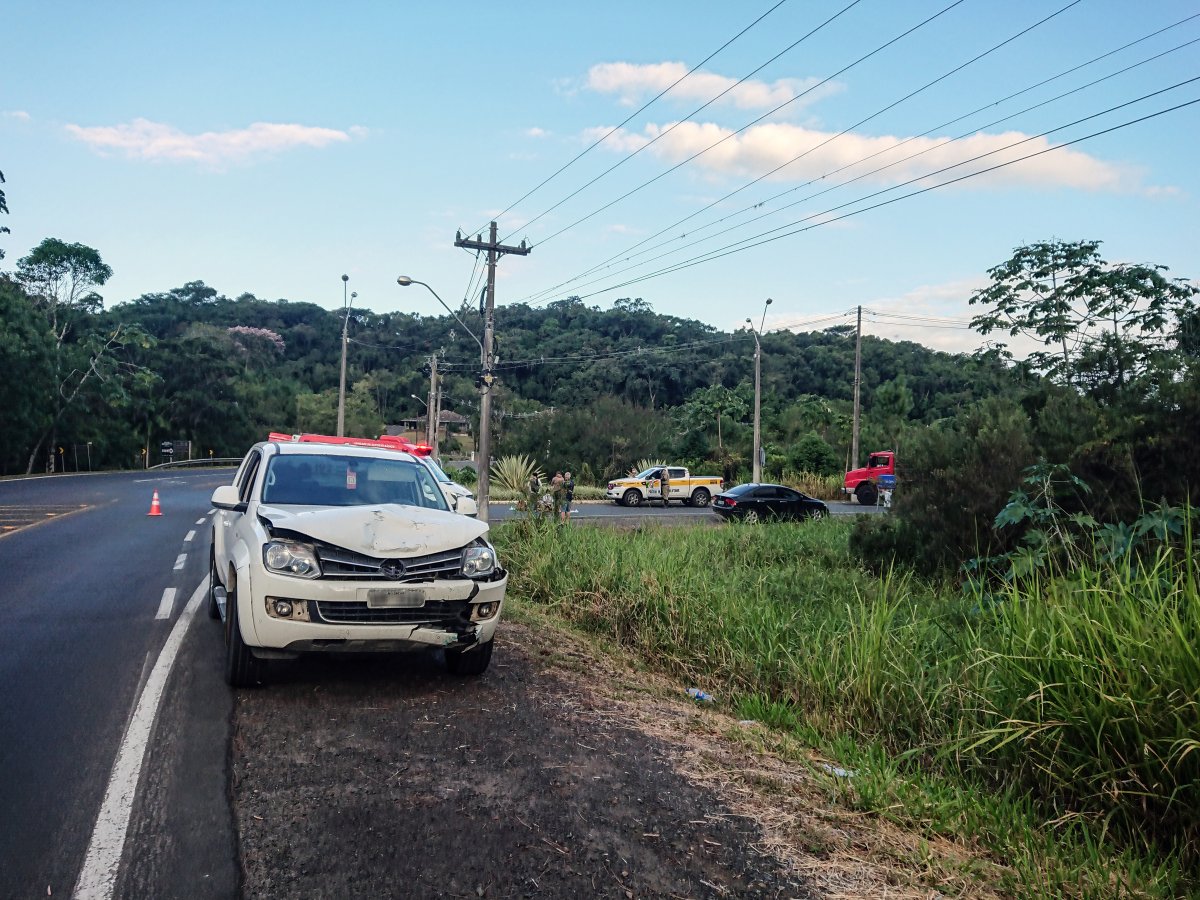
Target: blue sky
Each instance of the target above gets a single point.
(271, 147)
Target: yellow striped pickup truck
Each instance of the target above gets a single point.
(691, 490)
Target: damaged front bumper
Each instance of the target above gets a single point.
(328, 615)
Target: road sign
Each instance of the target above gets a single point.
(167, 448)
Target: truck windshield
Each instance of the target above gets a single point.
(328, 480)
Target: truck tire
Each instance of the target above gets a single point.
(214, 611)
(473, 661)
(242, 668)
(867, 493)
(701, 497)
(632, 497)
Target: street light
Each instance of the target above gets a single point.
(757, 474)
(341, 425)
(485, 430)
(405, 281)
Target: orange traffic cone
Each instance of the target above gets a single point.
(155, 509)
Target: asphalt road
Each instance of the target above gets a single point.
(86, 574)
(676, 513)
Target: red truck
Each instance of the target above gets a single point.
(878, 474)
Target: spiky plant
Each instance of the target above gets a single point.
(643, 464)
(512, 472)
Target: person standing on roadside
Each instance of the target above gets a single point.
(556, 493)
(535, 487)
(664, 483)
(568, 496)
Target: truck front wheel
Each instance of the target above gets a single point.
(632, 498)
(866, 493)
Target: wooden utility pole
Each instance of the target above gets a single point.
(430, 414)
(857, 385)
(486, 379)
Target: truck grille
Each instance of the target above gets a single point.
(438, 612)
(345, 564)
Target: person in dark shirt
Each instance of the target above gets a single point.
(568, 494)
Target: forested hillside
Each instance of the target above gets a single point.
(579, 385)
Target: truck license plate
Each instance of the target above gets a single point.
(380, 598)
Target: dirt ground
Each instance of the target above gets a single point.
(559, 773)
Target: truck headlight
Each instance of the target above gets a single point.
(291, 558)
(479, 560)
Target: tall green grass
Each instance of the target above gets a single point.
(1079, 692)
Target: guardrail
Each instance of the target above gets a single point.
(198, 463)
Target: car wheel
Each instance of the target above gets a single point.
(686, 501)
(242, 668)
(750, 517)
(472, 661)
(866, 493)
(701, 497)
(632, 498)
(819, 513)
(214, 611)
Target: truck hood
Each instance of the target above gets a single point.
(389, 529)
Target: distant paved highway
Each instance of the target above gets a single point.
(676, 513)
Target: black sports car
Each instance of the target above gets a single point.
(758, 502)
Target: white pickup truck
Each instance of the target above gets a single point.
(691, 490)
(345, 544)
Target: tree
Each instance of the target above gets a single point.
(60, 278)
(3, 209)
(26, 356)
(709, 405)
(1109, 324)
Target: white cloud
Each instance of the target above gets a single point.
(632, 82)
(18, 114)
(765, 147)
(536, 132)
(143, 139)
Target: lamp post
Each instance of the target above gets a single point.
(485, 430)
(341, 425)
(757, 475)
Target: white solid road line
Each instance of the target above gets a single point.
(191, 534)
(166, 604)
(182, 558)
(99, 874)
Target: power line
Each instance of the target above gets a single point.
(750, 124)
(631, 116)
(735, 248)
(686, 118)
(607, 263)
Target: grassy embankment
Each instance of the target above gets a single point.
(1056, 729)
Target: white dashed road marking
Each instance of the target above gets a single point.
(166, 604)
(199, 521)
(99, 874)
(190, 535)
(180, 561)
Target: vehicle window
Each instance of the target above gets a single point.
(438, 472)
(676, 474)
(789, 494)
(321, 480)
(647, 475)
(740, 490)
(249, 472)
(766, 493)
(877, 461)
